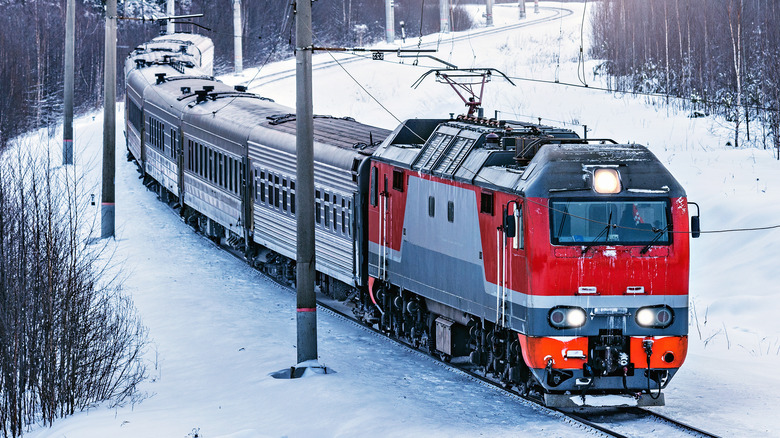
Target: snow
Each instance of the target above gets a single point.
(220, 328)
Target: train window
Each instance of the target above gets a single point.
(173, 144)
(450, 211)
(203, 160)
(277, 196)
(216, 167)
(343, 216)
(518, 241)
(431, 206)
(349, 211)
(238, 181)
(284, 200)
(284, 182)
(262, 190)
(327, 215)
(619, 222)
(373, 198)
(135, 115)
(398, 180)
(317, 194)
(211, 165)
(229, 173)
(234, 174)
(317, 212)
(486, 203)
(335, 216)
(292, 185)
(327, 197)
(222, 171)
(292, 202)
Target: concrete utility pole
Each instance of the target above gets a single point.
(536, 6)
(70, 38)
(521, 6)
(237, 37)
(170, 27)
(444, 16)
(304, 189)
(389, 22)
(489, 13)
(109, 122)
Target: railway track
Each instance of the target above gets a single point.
(255, 84)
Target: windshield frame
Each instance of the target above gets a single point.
(558, 204)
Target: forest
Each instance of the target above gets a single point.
(32, 35)
(716, 56)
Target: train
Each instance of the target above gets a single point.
(556, 264)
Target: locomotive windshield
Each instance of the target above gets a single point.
(635, 222)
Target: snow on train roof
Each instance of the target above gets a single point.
(186, 48)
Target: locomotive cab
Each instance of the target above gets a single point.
(614, 261)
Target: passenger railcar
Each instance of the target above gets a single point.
(226, 158)
(557, 264)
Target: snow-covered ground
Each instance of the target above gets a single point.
(220, 328)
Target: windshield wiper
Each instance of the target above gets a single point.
(603, 232)
(563, 221)
(658, 235)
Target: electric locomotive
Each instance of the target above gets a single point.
(557, 264)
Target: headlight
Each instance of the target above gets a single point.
(655, 316)
(564, 317)
(606, 181)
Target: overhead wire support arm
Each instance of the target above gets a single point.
(378, 54)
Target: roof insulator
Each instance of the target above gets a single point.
(160, 78)
(201, 96)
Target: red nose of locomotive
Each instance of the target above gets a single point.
(608, 259)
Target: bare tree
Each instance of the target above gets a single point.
(69, 337)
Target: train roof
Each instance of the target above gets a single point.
(179, 49)
(222, 114)
(528, 159)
